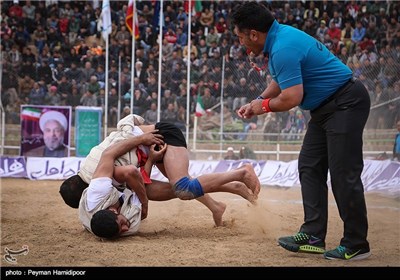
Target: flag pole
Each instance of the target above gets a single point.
(106, 93)
(106, 31)
(221, 127)
(188, 72)
(133, 53)
(119, 89)
(2, 111)
(160, 60)
(195, 132)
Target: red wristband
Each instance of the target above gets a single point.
(265, 105)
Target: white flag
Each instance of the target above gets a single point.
(106, 19)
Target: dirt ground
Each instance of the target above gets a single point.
(182, 233)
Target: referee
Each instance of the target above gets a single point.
(306, 74)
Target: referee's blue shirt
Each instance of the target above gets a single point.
(297, 58)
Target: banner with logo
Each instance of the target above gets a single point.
(52, 168)
(13, 167)
(227, 165)
(196, 168)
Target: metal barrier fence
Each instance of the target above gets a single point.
(378, 143)
(225, 81)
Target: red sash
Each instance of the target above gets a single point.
(142, 158)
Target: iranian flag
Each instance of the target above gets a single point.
(30, 113)
(197, 8)
(200, 107)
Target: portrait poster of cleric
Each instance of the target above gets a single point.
(45, 131)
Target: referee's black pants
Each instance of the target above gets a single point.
(333, 142)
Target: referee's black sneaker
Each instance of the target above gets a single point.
(343, 253)
(302, 242)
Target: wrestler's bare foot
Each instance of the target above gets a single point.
(218, 212)
(241, 189)
(217, 208)
(250, 179)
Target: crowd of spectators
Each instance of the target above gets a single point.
(52, 53)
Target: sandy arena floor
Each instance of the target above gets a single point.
(182, 233)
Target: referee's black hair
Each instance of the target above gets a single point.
(249, 15)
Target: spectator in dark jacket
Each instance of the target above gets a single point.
(37, 95)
